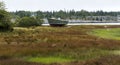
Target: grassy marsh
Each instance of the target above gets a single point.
(109, 33)
(65, 44)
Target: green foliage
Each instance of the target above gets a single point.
(2, 5)
(29, 21)
(5, 23)
(23, 13)
(39, 14)
(72, 14)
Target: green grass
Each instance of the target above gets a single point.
(48, 60)
(112, 33)
(69, 56)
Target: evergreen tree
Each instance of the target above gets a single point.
(5, 23)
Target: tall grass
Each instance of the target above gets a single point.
(62, 43)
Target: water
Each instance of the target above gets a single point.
(85, 22)
(88, 24)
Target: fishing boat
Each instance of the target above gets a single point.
(57, 22)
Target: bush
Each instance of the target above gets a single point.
(5, 24)
(29, 21)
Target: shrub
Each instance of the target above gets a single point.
(29, 21)
(5, 24)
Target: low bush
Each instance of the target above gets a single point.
(29, 21)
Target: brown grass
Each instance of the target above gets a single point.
(44, 41)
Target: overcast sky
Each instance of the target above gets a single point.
(50, 5)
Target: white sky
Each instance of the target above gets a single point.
(50, 5)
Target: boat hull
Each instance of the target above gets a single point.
(54, 22)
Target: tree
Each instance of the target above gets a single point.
(23, 14)
(5, 24)
(2, 6)
(29, 21)
(39, 14)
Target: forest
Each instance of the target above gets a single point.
(72, 14)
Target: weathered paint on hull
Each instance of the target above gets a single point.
(54, 22)
(59, 25)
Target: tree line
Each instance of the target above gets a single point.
(72, 14)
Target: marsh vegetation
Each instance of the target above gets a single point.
(58, 45)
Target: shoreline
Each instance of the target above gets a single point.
(88, 24)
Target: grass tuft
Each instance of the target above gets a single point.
(49, 60)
